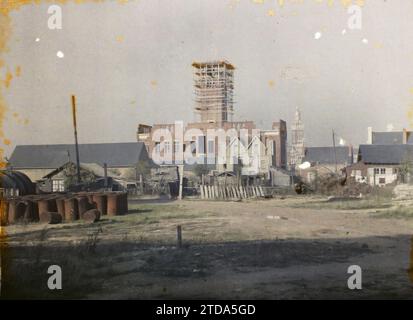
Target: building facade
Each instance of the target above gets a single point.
(213, 85)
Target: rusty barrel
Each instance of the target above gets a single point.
(112, 204)
(12, 211)
(17, 209)
(47, 204)
(90, 197)
(50, 217)
(4, 212)
(31, 213)
(92, 215)
(71, 209)
(60, 204)
(123, 203)
(100, 199)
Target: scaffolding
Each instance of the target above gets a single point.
(214, 91)
(297, 150)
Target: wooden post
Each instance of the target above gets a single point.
(262, 191)
(179, 236)
(141, 184)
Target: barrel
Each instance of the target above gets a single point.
(50, 217)
(47, 204)
(60, 203)
(4, 212)
(71, 210)
(100, 199)
(112, 206)
(31, 213)
(82, 205)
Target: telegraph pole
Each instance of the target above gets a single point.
(76, 143)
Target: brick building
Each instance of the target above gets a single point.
(213, 85)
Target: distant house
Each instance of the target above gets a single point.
(379, 165)
(329, 156)
(37, 161)
(92, 175)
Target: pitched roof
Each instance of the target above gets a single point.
(327, 155)
(53, 156)
(94, 168)
(385, 154)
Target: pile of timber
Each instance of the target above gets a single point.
(232, 192)
(57, 208)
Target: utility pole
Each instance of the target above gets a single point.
(76, 143)
(181, 178)
(335, 151)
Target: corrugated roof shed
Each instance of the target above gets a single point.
(326, 155)
(53, 156)
(385, 154)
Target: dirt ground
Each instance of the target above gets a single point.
(286, 248)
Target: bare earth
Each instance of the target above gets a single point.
(286, 248)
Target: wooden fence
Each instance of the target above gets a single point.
(230, 192)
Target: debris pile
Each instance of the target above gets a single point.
(57, 208)
(403, 192)
(339, 186)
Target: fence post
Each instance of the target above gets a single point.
(179, 236)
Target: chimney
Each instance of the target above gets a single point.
(369, 135)
(350, 154)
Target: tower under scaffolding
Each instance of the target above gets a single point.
(297, 149)
(214, 87)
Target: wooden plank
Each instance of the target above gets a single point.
(262, 191)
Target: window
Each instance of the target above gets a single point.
(376, 170)
(177, 145)
(383, 170)
(382, 181)
(395, 171)
(58, 185)
(167, 147)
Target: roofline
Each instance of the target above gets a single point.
(54, 168)
(72, 144)
(230, 66)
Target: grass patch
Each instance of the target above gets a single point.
(346, 205)
(151, 214)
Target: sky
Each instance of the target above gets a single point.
(130, 63)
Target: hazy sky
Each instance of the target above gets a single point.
(131, 63)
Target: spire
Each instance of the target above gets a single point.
(297, 117)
